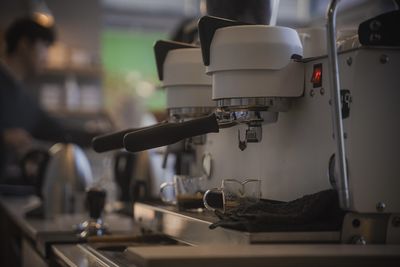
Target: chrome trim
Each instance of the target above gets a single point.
(189, 112)
(97, 254)
(276, 104)
(343, 181)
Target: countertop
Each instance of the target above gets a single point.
(60, 229)
(284, 255)
(83, 255)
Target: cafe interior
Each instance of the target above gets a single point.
(149, 133)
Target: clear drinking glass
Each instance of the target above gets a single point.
(235, 194)
(188, 192)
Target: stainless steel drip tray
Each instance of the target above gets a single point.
(193, 228)
(110, 250)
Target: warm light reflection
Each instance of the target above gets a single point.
(145, 89)
(203, 7)
(43, 19)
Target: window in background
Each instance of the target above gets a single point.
(130, 28)
(129, 65)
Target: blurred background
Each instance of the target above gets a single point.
(101, 76)
(103, 61)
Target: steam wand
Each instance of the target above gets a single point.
(343, 181)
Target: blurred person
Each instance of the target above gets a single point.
(21, 118)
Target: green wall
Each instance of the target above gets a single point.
(128, 63)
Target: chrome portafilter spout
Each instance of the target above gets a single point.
(95, 225)
(253, 112)
(253, 120)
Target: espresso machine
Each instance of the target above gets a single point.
(301, 120)
(188, 90)
(300, 124)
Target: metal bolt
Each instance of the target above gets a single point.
(380, 206)
(312, 93)
(375, 25)
(384, 59)
(349, 61)
(396, 221)
(322, 91)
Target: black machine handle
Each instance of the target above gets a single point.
(207, 26)
(111, 141)
(139, 191)
(124, 165)
(161, 50)
(115, 140)
(169, 133)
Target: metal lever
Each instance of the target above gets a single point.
(343, 182)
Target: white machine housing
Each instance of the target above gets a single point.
(292, 160)
(313, 40)
(255, 61)
(188, 91)
(185, 80)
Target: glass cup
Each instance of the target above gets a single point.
(234, 194)
(187, 191)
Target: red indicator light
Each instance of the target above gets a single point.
(316, 78)
(317, 75)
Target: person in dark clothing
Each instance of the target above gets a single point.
(21, 118)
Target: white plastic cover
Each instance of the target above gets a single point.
(185, 67)
(253, 47)
(185, 80)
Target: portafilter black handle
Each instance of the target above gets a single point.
(169, 133)
(110, 141)
(113, 141)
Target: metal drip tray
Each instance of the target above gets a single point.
(193, 228)
(110, 250)
(120, 243)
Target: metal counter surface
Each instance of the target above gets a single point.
(83, 255)
(60, 229)
(193, 228)
(289, 255)
(223, 247)
(79, 256)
